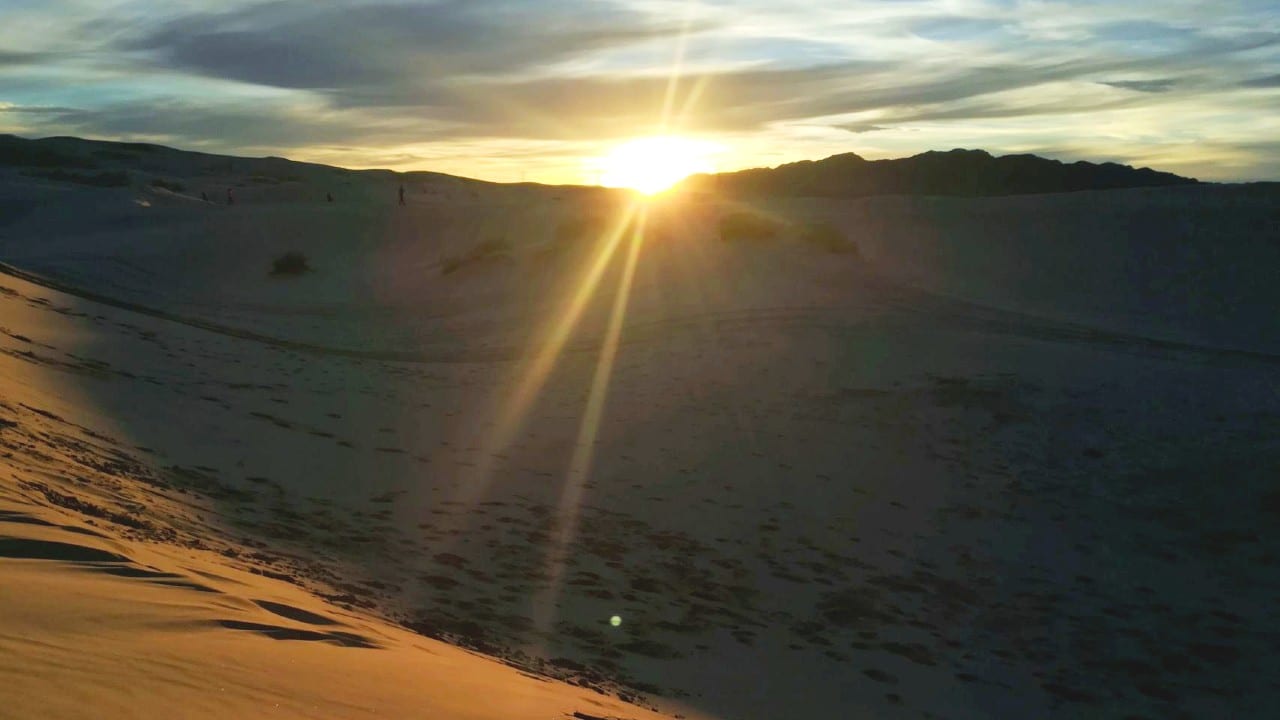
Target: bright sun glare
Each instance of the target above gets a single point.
(654, 164)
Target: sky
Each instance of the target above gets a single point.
(540, 90)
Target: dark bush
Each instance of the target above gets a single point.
(170, 185)
(828, 237)
(290, 263)
(740, 226)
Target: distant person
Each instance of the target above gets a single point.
(204, 196)
(401, 194)
(328, 197)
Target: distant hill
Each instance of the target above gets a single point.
(970, 173)
(122, 163)
(78, 153)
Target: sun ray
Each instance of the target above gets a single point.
(677, 68)
(588, 430)
(692, 96)
(534, 373)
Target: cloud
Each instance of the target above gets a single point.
(1146, 86)
(52, 110)
(963, 29)
(380, 76)
(392, 47)
(619, 105)
(224, 126)
(988, 109)
(491, 69)
(861, 127)
(18, 59)
(755, 98)
(1269, 81)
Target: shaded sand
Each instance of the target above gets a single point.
(815, 486)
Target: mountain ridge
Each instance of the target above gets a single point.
(958, 172)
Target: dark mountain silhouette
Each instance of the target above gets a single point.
(56, 156)
(969, 173)
(79, 153)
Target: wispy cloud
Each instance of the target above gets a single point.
(411, 82)
(389, 47)
(1146, 86)
(1270, 81)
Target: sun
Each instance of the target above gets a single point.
(653, 164)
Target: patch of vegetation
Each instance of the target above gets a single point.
(102, 179)
(170, 185)
(290, 264)
(745, 226)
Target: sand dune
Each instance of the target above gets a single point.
(126, 592)
(926, 479)
(88, 630)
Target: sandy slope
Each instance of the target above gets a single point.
(812, 490)
(89, 631)
(120, 599)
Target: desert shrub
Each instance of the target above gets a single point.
(745, 226)
(102, 179)
(290, 263)
(170, 185)
(828, 237)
